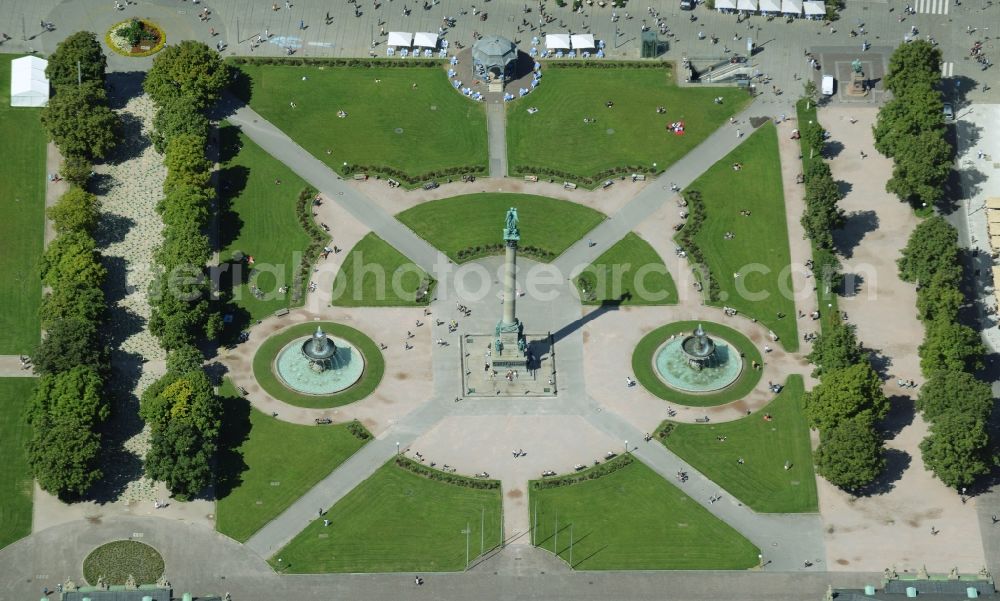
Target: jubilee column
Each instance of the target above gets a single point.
(509, 342)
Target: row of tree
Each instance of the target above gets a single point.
(910, 127)
(69, 405)
(181, 408)
(953, 400)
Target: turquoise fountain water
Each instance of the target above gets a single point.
(697, 363)
(319, 364)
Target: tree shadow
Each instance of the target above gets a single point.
(902, 411)
(132, 142)
(856, 226)
(112, 228)
(896, 464)
(832, 148)
(229, 460)
(241, 85)
(101, 184)
(123, 86)
(880, 362)
(851, 284)
(232, 181)
(844, 188)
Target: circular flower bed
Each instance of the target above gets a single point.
(116, 561)
(644, 357)
(136, 37)
(263, 366)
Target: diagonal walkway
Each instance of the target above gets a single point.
(321, 177)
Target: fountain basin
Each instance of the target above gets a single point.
(294, 370)
(673, 366)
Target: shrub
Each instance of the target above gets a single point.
(597, 471)
(433, 474)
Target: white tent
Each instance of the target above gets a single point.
(28, 84)
(583, 41)
(400, 39)
(425, 40)
(557, 41)
(770, 6)
(814, 8)
(725, 5)
(749, 5)
(791, 7)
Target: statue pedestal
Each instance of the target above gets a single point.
(488, 373)
(857, 87)
(495, 86)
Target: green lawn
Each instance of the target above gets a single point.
(389, 124)
(759, 251)
(15, 479)
(761, 482)
(644, 370)
(374, 274)
(258, 219)
(462, 223)
(22, 203)
(630, 272)
(557, 138)
(632, 519)
(397, 521)
(267, 464)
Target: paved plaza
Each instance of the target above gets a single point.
(422, 406)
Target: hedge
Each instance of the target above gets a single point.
(299, 61)
(358, 430)
(593, 473)
(686, 239)
(318, 238)
(447, 477)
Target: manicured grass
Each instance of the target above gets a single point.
(22, 229)
(266, 464)
(258, 219)
(397, 521)
(827, 297)
(761, 482)
(387, 277)
(630, 272)
(759, 251)
(117, 560)
(374, 366)
(632, 519)
(645, 371)
(15, 478)
(461, 223)
(389, 124)
(557, 138)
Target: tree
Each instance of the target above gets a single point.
(186, 163)
(854, 391)
(932, 246)
(177, 116)
(947, 392)
(809, 92)
(950, 346)
(921, 168)
(815, 170)
(175, 319)
(79, 121)
(914, 64)
(190, 70)
(185, 204)
(76, 170)
(814, 136)
(916, 111)
(185, 358)
(956, 449)
(849, 455)
(72, 260)
(214, 326)
(72, 300)
(183, 397)
(76, 210)
(180, 457)
(822, 215)
(837, 348)
(940, 299)
(79, 55)
(67, 344)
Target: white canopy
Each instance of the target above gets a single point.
(400, 38)
(791, 7)
(750, 5)
(814, 7)
(557, 41)
(425, 39)
(583, 41)
(770, 6)
(28, 84)
(725, 5)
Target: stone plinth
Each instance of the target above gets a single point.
(487, 373)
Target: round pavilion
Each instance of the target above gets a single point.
(494, 57)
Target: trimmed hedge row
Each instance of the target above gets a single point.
(433, 474)
(299, 61)
(467, 254)
(358, 430)
(686, 238)
(318, 238)
(591, 181)
(575, 63)
(666, 429)
(380, 171)
(590, 474)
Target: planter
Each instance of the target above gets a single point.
(135, 38)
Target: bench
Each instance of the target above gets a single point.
(638, 177)
(701, 420)
(281, 312)
(361, 176)
(569, 185)
(531, 178)
(243, 391)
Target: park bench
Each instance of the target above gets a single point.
(569, 185)
(243, 391)
(531, 178)
(638, 177)
(702, 420)
(281, 312)
(361, 176)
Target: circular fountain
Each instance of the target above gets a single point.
(318, 364)
(697, 363)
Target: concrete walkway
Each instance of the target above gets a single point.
(10, 367)
(496, 133)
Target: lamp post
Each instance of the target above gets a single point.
(626, 447)
(397, 447)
